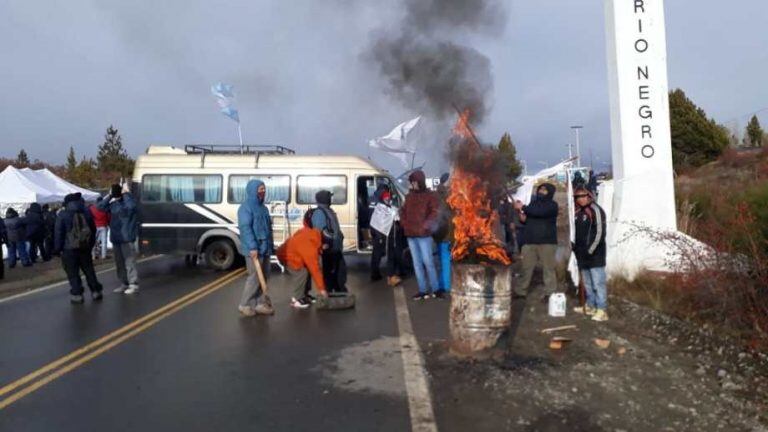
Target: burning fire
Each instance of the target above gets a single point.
(474, 219)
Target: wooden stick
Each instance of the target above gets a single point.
(554, 329)
(260, 274)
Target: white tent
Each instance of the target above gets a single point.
(19, 188)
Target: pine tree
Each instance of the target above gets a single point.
(696, 139)
(508, 150)
(112, 156)
(71, 162)
(754, 132)
(22, 160)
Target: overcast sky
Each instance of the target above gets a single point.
(72, 68)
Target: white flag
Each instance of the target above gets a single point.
(396, 142)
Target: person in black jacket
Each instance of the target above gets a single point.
(589, 248)
(3, 240)
(36, 233)
(16, 231)
(49, 221)
(74, 238)
(540, 219)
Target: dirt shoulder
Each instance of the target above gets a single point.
(657, 374)
(21, 279)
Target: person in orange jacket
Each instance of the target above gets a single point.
(300, 255)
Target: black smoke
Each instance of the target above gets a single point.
(426, 64)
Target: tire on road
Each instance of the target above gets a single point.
(220, 254)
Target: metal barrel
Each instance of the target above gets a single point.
(481, 307)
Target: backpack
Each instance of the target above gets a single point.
(79, 235)
(328, 233)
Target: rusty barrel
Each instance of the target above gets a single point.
(481, 307)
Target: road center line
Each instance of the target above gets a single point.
(416, 385)
(151, 317)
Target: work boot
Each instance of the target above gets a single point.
(76, 299)
(600, 315)
(97, 296)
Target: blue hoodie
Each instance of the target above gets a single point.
(123, 225)
(255, 223)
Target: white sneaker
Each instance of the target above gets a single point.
(132, 289)
(120, 289)
(246, 311)
(586, 310)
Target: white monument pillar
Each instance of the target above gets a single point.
(640, 134)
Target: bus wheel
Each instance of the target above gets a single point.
(220, 254)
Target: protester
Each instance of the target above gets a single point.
(16, 228)
(589, 248)
(443, 234)
(419, 218)
(540, 219)
(300, 255)
(592, 183)
(255, 225)
(506, 211)
(74, 236)
(123, 227)
(325, 220)
(379, 238)
(390, 244)
(49, 221)
(36, 233)
(3, 240)
(578, 180)
(101, 219)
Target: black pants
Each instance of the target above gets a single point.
(2, 262)
(395, 247)
(334, 271)
(75, 260)
(37, 248)
(379, 250)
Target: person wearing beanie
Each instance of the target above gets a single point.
(123, 232)
(73, 239)
(419, 218)
(325, 220)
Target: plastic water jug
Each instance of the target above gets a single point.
(557, 305)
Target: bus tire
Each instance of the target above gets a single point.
(220, 254)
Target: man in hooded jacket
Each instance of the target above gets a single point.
(325, 220)
(540, 219)
(419, 218)
(76, 257)
(36, 233)
(16, 232)
(123, 231)
(256, 242)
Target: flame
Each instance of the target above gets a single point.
(474, 219)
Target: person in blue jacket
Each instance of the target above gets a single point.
(256, 242)
(123, 231)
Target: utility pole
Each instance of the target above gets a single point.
(578, 129)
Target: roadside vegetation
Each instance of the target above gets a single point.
(722, 200)
(110, 164)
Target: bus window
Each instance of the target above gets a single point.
(309, 185)
(278, 187)
(181, 188)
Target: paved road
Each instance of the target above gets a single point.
(202, 367)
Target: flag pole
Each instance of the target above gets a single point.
(240, 135)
